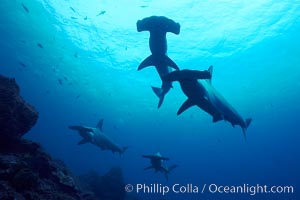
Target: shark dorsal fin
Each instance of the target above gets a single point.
(158, 154)
(100, 124)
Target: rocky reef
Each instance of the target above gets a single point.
(110, 186)
(17, 117)
(28, 172)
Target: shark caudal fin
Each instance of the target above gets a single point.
(158, 92)
(247, 123)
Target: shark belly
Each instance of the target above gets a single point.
(192, 89)
(198, 95)
(105, 143)
(219, 102)
(158, 42)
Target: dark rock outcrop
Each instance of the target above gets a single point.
(107, 187)
(26, 170)
(16, 116)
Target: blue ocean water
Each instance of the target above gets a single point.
(76, 62)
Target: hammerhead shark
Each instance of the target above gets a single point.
(95, 135)
(156, 164)
(202, 94)
(158, 26)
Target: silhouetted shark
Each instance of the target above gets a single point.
(205, 96)
(158, 26)
(156, 164)
(97, 137)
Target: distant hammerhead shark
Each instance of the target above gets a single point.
(202, 94)
(156, 164)
(158, 26)
(97, 137)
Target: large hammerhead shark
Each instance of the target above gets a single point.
(95, 135)
(202, 94)
(158, 26)
(156, 164)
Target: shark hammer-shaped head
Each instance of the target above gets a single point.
(158, 22)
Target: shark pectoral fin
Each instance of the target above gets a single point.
(164, 158)
(123, 150)
(187, 104)
(171, 63)
(83, 141)
(172, 167)
(76, 128)
(165, 170)
(149, 61)
(157, 91)
(247, 123)
(100, 124)
(146, 156)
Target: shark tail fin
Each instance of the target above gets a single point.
(158, 92)
(247, 123)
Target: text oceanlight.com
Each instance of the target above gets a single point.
(156, 188)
